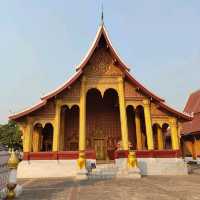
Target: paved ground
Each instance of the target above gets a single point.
(151, 188)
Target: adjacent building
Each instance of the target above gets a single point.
(191, 130)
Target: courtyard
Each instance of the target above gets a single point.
(149, 187)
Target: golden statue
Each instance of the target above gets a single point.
(81, 160)
(132, 160)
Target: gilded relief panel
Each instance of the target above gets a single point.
(47, 111)
(132, 91)
(156, 111)
(71, 92)
(102, 64)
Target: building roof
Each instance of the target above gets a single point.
(79, 70)
(193, 108)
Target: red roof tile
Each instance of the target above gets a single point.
(192, 107)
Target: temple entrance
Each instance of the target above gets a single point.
(102, 123)
(100, 146)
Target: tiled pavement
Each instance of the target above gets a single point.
(151, 188)
(146, 188)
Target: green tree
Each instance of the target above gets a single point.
(10, 135)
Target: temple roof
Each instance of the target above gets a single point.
(101, 31)
(79, 70)
(192, 107)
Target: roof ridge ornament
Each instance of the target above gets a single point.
(102, 15)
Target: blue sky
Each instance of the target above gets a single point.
(41, 42)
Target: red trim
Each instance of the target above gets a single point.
(158, 154)
(121, 154)
(90, 154)
(67, 155)
(61, 155)
(26, 156)
(42, 156)
(150, 154)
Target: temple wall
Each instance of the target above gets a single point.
(132, 91)
(47, 111)
(72, 92)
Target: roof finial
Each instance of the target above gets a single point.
(102, 19)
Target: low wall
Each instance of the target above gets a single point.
(155, 162)
(64, 164)
(4, 171)
(48, 168)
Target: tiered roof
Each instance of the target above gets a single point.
(79, 70)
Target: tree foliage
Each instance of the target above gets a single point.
(10, 135)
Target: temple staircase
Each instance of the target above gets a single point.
(103, 171)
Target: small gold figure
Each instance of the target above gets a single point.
(81, 160)
(11, 193)
(132, 160)
(12, 163)
(13, 160)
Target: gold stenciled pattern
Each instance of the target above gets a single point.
(101, 63)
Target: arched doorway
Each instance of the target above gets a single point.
(130, 112)
(155, 135)
(140, 113)
(69, 128)
(47, 137)
(102, 123)
(167, 136)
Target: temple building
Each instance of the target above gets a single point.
(100, 113)
(190, 134)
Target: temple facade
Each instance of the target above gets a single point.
(101, 113)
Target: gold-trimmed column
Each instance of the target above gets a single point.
(36, 139)
(160, 138)
(123, 117)
(28, 136)
(22, 128)
(82, 125)
(147, 116)
(138, 130)
(56, 132)
(62, 130)
(174, 134)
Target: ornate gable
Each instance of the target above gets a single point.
(102, 62)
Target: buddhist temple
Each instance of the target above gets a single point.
(190, 134)
(100, 113)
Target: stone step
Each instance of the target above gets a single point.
(103, 171)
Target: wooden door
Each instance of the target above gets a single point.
(99, 146)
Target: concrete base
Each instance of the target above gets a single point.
(82, 174)
(68, 168)
(157, 166)
(47, 168)
(162, 166)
